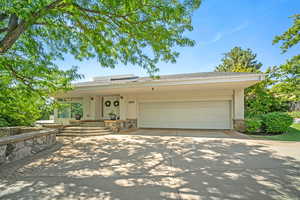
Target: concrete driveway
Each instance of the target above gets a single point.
(153, 166)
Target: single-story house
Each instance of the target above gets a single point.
(209, 100)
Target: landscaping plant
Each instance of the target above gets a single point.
(253, 125)
(276, 122)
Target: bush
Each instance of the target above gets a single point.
(294, 114)
(253, 125)
(276, 122)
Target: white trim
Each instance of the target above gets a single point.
(170, 82)
(187, 100)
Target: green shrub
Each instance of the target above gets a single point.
(276, 122)
(294, 114)
(253, 125)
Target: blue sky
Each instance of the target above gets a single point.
(219, 26)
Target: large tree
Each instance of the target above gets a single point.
(287, 76)
(35, 34)
(138, 32)
(258, 98)
(239, 60)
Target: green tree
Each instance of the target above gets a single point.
(35, 34)
(258, 98)
(286, 80)
(239, 60)
(291, 37)
(287, 76)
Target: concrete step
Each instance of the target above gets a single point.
(83, 131)
(85, 128)
(95, 124)
(84, 134)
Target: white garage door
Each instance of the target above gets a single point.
(189, 115)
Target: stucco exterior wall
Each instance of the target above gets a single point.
(129, 103)
(238, 102)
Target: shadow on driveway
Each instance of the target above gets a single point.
(153, 167)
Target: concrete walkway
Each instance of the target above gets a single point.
(156, 167)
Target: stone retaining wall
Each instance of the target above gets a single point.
(16, 130)
(16, 147)
(117, 125)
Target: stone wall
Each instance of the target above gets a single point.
(114, 125)
(16, 130)
(131, 123)
(16, 147)
(117, 125)
(239, 125)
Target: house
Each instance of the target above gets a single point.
(209, 100)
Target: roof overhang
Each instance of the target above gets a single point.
(200, 83)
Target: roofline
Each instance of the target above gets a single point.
(177, 81)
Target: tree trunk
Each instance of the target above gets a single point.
(11, 37)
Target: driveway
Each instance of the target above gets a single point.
(153, 166)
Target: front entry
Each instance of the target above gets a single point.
(111, 105)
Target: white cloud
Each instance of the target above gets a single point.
(221, 35)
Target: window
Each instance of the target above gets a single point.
(76, 109)
(69, 110)
(64, 111)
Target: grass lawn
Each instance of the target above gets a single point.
(293, 134)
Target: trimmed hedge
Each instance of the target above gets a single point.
(253, 125)
(276, 122)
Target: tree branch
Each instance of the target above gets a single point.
(3, 16)
(21, 78)
(13, 22)
(15, 31)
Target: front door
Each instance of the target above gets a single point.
(111, 105)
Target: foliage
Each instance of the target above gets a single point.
(288, 75)
(276, 122)
(35, 34)
(294, 114)
(286, 80)
(260, 99)
(253, 125)
(239, 60)
(291, 37)
(137, 32)
(292, 134)
(280, 86)
(18, 106)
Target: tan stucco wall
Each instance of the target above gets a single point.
(238, 104)
(129, 103)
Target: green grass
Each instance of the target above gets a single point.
(293, 134)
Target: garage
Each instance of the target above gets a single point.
(185, 115)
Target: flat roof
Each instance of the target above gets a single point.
(110, 80)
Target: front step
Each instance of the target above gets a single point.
(84, 131)
(88, 124)
(84, 135)
(77, 131)
(85, 128)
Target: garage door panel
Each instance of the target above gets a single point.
(196, 115)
